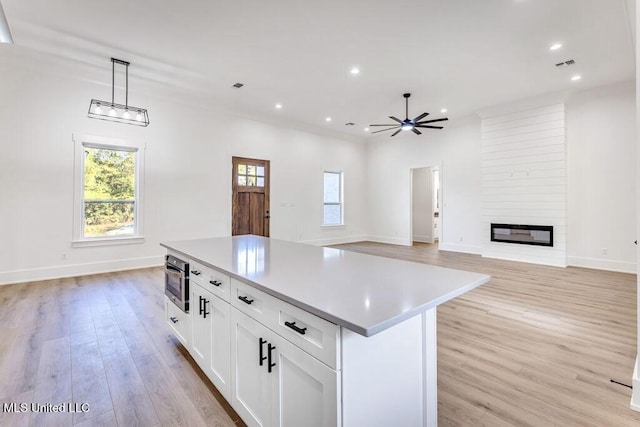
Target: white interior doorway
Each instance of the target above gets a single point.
(425, 205)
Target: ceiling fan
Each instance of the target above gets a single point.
(408, 124)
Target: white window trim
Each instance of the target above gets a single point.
(342, 224)
(81, 141)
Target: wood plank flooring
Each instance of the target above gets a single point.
(100, 340)
(537, 346)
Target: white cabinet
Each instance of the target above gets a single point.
(210, 336)
(179, 322)
(275, 383)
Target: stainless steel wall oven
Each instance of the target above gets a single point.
(176, 281)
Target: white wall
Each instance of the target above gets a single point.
(600, 166)
(389, 162)
(602, 178)
(187, 177)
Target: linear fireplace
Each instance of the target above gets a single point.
(539, 235)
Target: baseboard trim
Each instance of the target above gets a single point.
(466, 249)
(62, 271)
(635, 393)
(603, 264)
(422, 239)
(390, 240)
(334, 240)
(527, 260)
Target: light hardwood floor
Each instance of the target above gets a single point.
(535, 346)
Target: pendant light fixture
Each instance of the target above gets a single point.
(110, 111)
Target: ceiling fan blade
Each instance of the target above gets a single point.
(393, 124)
(432, 121)
(420, 117)
(430, 127)
(384, 130)
(396, 119)
(396, 132)
(416, 131)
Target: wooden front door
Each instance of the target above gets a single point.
(250, 197)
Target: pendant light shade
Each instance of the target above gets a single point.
(120, 113)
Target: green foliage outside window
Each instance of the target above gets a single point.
(109, 192)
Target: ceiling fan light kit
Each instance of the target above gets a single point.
(409, 124)
(110, 111)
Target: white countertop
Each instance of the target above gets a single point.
(364, 293)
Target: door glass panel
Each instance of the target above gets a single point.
(251, 170)
(260, 171)
(242, 169)
(251, 181)
(242, 180)
(260, 182)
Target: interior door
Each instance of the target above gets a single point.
(250, 197)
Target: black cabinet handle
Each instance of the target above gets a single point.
(270, 348)
(245, 299)
(215, 282)
(262, 356)
(205, 313)
(195, 272)
(293, 326)
(201, 304)
(173, 319)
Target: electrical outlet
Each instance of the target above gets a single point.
(64, 255)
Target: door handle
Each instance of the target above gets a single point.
(262, 356)
(270, 348)
(298, 329)
(204, 308)
(201, 304)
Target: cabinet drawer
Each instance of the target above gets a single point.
(179, 322)
(210, 279)
(252, 301)
(314, 335)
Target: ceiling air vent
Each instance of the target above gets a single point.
(238, 85)
(349, 124)
(565, 63)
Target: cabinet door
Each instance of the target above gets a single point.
(250, 380)
(220, 364)
(305, 391)
(200, 326)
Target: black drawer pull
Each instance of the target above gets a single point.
(293, 326)
(195, 272)
(201, 304)
(215, 282)
(269, 349)
(173, 319)
(245, 299)
(262, 357)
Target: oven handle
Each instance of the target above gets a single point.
(171, 267)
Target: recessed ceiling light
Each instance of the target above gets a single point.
(328, 119)
(278, 106)
(576, 78)
(366, 129)
(555, 46)
(355, 71)
(444, 110)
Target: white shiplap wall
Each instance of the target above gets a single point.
(524, 180)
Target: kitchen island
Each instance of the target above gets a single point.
(293, 334)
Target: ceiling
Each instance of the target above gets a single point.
(464, 55)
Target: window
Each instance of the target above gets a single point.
(250, 175)
(108, 196)
(332, 198)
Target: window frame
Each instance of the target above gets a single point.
(92, 141)
(341, 198)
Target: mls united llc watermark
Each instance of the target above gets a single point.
(70, 407)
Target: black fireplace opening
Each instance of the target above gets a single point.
(538, 235)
